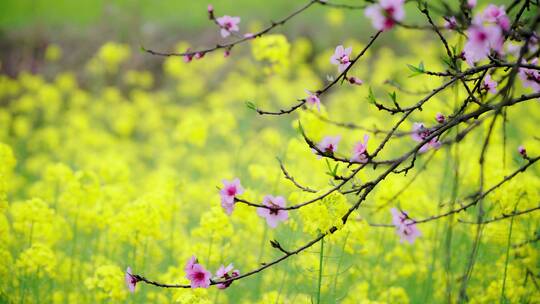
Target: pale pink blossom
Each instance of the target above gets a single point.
(360, 151)
(440, 118)
(355, 80)
(228, 25)
(131, 280)
(420, 133)
(273, 214)
(450, 23)
(405, 226)
(471, 3)
(313, 100)
(329, 144)
(198, 276)
(228, 193)
(489, 85)
(225, 273)
(341, 57)
(188, 57)
(497, 15)
(522, 151)
(249, 35)
(210, 8)
(385, 14)
(530, 78)
(481, 40)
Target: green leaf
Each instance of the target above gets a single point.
(416, 70)
(251, 105)
(371, 98)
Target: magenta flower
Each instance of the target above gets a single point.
(420, 133)
(228, 25)
(328, 145)
(497, 15)
(196, 273)
(530, 78)
(489, 84)
(385, 14)
(273, 215)
(225, 273)
(360, 151)
(405, 226)
(341, 57)
(522, 151)
(131, 280)
(228, 193)
(313, 100)
(440, 118)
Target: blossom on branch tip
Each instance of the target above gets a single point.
(131, 280)
(313, 100)
(385, 14)
(360, 151)
(355, 80)
(225, 273)
(405, 226)
(522, 151)
(489, 85)
(450, 23)
(228, 193)
(341, 57)
(198, 276)
(440, 118)
(228, 25)
(329, 144)
(420, 133)
(471, 3)
(273, 215)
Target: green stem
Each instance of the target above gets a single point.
(321, 256)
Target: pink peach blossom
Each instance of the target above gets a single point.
(450, 23)
(225, 273)
(522, 151)
(228, 25)
(228, 193)
(420, 133)
(341, 57)
(313, 100)
(489, 85)
(385, 14)
(481, 40)
(273, 215)
(329, 144)
(196, 273)
(497, 15)
(355, 80)
(360, 151)
(405, 226)
(530, 78)
(131, 280)
(440, 118)
(471, 3)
